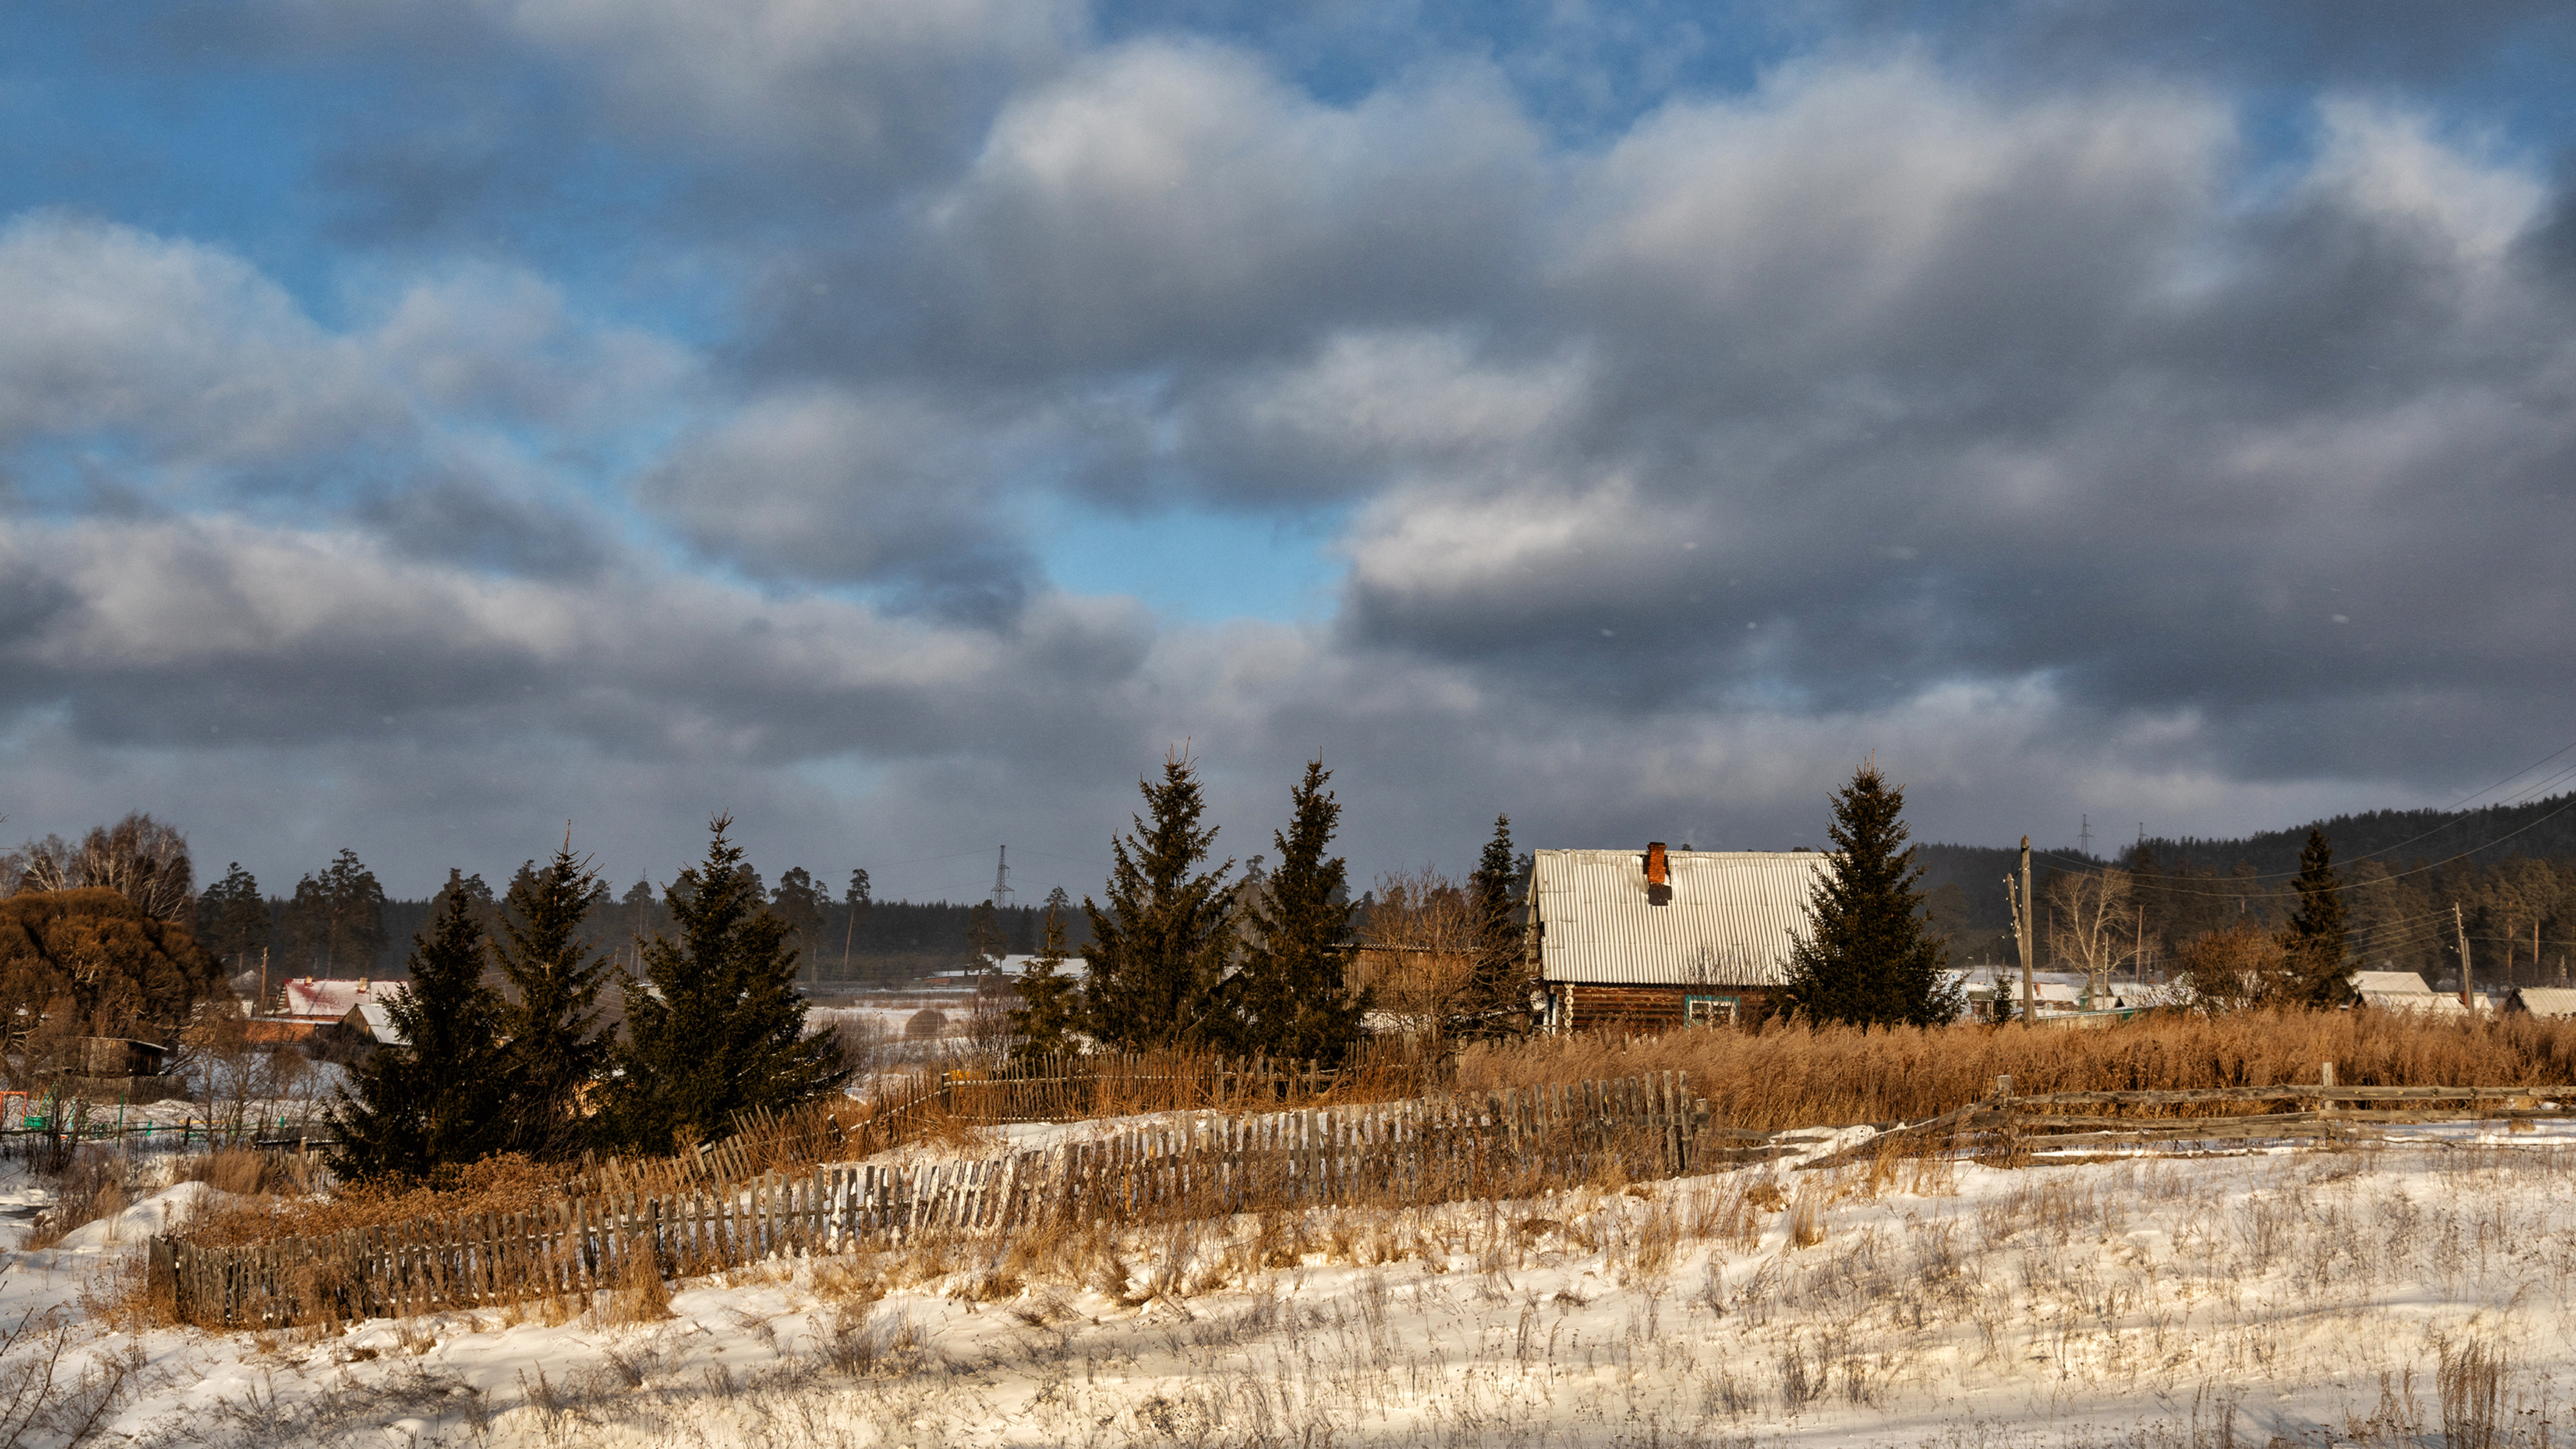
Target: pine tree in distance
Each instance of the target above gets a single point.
(436, 1099)
(556, 1049)
(1495, 1001)
(1864, 956)
(1291, 999)
(1050, 1014)
(1159, 950)
(720, 1028)
(2314, 941)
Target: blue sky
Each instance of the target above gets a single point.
(425, 423)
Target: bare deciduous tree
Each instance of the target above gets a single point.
(138, 857)
(2231, 970)
(1418, 943)
(2090, 925)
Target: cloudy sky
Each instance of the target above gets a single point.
(427, 422)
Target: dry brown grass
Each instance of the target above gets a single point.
(92, 1186)
(249, 1172)
(274, 1209)
(1785, 1075)
(640, 1296)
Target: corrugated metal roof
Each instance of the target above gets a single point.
(380, 1023)
(1728, 924)
(2423, 1003)
(2547, 1000)
(331, 999)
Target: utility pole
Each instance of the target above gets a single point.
(2085, 838)
(2021, 934)
(2463, 931)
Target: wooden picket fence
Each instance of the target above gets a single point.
(1442, 1148)
(1077, 1086)
(1068, 1088)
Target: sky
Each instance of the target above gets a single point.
(427, 426)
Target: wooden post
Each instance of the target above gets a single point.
(2461, 927)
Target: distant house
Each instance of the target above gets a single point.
(2555, 1002)
(1659, 938)
(2400, 991)
(116, 1056)
(331, 1000)
(274, 1031)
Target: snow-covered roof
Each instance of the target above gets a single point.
(2546, 1000)
(380, 1024)
(2389, 983)
(1729, 920)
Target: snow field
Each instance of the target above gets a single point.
(2312, 1298)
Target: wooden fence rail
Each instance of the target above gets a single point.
(2007, 1127)
(1425, 1150)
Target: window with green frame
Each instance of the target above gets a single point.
(1703, 1010)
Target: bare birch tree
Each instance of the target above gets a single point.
(2091, 925)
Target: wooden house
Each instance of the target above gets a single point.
(1656, 938)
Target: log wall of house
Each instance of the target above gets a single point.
(1587, 1007)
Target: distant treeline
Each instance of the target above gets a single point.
(2510, 869)
(838, 942)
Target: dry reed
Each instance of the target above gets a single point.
(1784, 1075)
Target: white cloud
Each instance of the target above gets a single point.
(182, 346)
(2389, 162)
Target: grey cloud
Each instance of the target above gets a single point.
(2372, 44)
(825, 484)
(874, 87)
(293, 637)
(468, 520)
(1169, 204)
(2255, 414)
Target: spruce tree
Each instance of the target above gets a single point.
(720, 1029)
(232, 918)
(556, 1050)
(1495, 1000)
(1050, 1010)
(1291, 999)
(336, 922)
(2314, 940)
(1865, 956)
(1159, 950)
(410, 1109)
(985, 943)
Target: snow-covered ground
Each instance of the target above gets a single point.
(2305, 1298)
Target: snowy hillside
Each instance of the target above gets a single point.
(2313, 1297)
